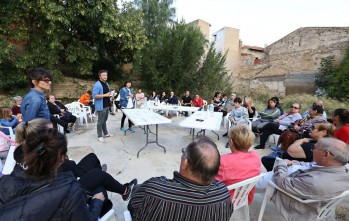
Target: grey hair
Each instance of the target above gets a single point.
(338, 149)
(17, 98)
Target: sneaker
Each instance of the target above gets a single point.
(67, 131)
(131, 130)
(227, 145)
(108, 135)
(101, 139)
(129, 187)
(259, 147)
(104, 167)
(112, 113)
(123, 129)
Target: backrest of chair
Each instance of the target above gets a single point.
(9, 162)
(127, 215)
(330, 206)
(241, 191)
(205, 102)
(109, 216)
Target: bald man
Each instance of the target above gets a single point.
(192, 194)
(329, 177)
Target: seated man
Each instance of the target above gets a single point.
(186, 101)
(192, 194)
(331, 156)
(86, 100)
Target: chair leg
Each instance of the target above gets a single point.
(268, 194)
(246, 213)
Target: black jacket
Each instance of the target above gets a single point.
(61, 198)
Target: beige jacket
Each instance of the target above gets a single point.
(321, 183)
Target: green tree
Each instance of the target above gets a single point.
(334, 79)
(157, 15)
(66, 36)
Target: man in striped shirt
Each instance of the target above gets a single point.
(192, 194)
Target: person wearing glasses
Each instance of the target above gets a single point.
(280, 124)
(301, 128)
(34, 103)
(327, 177)
(192, 194)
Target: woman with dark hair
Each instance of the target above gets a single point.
(340, 119)
(93, 175)
(163, 97)
(38, 191)
(269, 114)
(126, 102)
(217, 103)
(153, 96)
(34, 103)
(56, 107)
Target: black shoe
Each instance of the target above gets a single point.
(227, 145)
(129, 187)
(225, 135)
(112, 113)
(259, 147)
(67, 132)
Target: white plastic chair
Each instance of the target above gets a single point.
(88, 111)
(10, 162)
(10, 129)
(326, 211)
(109, 216)
(241, 191)
(59, 127)
(127, 215)
(79, 112)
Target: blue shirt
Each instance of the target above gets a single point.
(98, 90)
(34, 106)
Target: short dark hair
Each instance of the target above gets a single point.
(202, 163)
(102, 71)
(343, 115)
(237, 100)
(319, 109)
(42, 150)
(37, 74)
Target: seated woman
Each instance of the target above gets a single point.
(318, 103)
(279, 125)
(163, 97)
(340, 119)
(218, 103)
(240, 164)
(92, 175)
(301, 128)
(198, 102)
(7, 120)
(140, 98)
(56, 107)
(248, 104)
(16, 109)
(41, 188)
(267, 115)
(154, 95)
(302, 149)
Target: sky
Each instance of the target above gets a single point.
(262, 22)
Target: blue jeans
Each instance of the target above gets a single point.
(102, 121)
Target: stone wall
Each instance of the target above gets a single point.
(293, 61)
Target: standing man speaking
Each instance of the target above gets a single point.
(101, 94)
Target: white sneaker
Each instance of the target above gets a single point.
(108, 135)
(101, 139)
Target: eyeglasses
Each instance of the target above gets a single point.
(293, 107)
(184, 150)
(47, 80)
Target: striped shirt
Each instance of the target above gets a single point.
(177, 199)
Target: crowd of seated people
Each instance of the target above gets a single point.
(201, 164)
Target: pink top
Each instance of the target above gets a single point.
(343, 134)
(239, 166)
(140, 97)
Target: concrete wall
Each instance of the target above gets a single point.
(203, 26)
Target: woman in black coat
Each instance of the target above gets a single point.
(38, 192)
